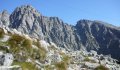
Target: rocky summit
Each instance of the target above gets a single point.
(85, 35)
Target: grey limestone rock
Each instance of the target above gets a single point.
(86, 34)
(4, 18)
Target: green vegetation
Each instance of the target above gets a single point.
(15, 40)
(66, 59)
(35, 54)
(61, 65)
(64, 63)
(27, 43)
(48, 67)
(87, 59)
(41, 52)
(3, 43)
(25, 65)
(20, 44)
(2, 33)
(27, 46)
(101, 67)
(36, 43)
(4, 49)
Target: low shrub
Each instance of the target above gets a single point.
(101, 67)
(61, 66)
(36, 43)
(15, 40)
(48, 67)
(41, 51)
(5, 49)
(42, 54)
(27, 43)
(66, 59)
(2, 33)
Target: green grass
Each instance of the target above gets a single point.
(2, 33)
(17, 44)
(87, 59)
(41, 52)
(101, 67)
(27, 43)
(3, 43)
(64, 63)
(39, 55)
(36, 43)
(61, 65)
(48, 67)
(66, 59)
(15, 40)
(25, 65)
(4, 49)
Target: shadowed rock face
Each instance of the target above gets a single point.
(100, 35)
(86, 34)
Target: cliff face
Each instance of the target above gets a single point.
(86, 34)
(28, 20)
(101, 36)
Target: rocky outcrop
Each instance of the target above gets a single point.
(4, 18)
(86, 34)
(6, 59)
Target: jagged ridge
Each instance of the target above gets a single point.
(86, 34)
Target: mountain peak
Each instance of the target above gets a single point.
(26, 9)
(4, 18)
(4, 12)
(84, 21)
(24, 15)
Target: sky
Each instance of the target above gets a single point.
(70, 11)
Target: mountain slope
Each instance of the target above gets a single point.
(52, 29)
(20, 52)
(86, 34)
(105, 36)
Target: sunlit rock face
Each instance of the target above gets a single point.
(6, 59)
(4, 18)
(85, 35)
(28, 20)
